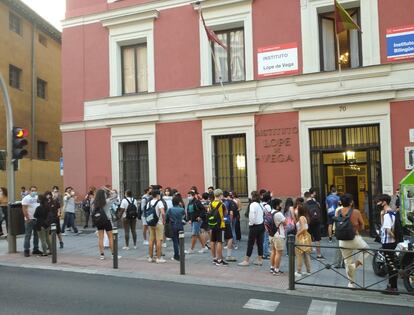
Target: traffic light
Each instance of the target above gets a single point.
(19, 142)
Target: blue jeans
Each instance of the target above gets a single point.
(69, 221)
(175, 242)
(266, 244)
(29, 228)
(195, 228)
(233, 230)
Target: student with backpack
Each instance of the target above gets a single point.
(391, 235)
(194, 215)
(217, 226)
(155, 218)
(129, 213)
(348, 225)
(315, 220)
(175, 216)
(256, 230)
(266, 198)
(277, 236)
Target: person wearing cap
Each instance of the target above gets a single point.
(216, 241)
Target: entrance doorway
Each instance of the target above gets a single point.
(349, 159)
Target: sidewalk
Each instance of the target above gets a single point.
(80, 254)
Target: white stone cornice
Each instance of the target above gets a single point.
(119, 19)
(136, 9)
(208, 4)
(384, 83)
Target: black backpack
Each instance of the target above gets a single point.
(99, 217)
(214, 219)
(131, 210)
(150, 214)
(314, 211)
(344, 230)
(398, 228)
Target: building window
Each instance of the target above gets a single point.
(15, 24)
(43, 40)
(41, 88)
(15, 76)
(41, 150)
(134, 69)
(350, 53)
(229, 65)
(134, 167)
(230, 163)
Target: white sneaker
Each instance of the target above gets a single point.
(164, 245)
(306, 273)
(202, 251)
(150, 259)
(64, 234)
(102, 257)
(135, 246)
(298, 274)
(189, 251)
(160, 260)
(119, 257)
(125, 248)
(145, 243)
(351, 285)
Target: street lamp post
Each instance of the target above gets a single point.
(9, 161)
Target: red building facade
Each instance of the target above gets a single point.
(142, 102)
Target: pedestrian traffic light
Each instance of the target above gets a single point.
(19, 142)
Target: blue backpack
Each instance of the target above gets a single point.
(150, 214)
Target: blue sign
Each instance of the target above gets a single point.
(400, 43)
(61, 166)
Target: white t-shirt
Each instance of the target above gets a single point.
(389, 220)
(68, 204)
(124, 205)
(255, 214)
(266, 207)
(279, 218)
(158, 208)
(31, 203)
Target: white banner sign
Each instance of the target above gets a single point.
(278, 60)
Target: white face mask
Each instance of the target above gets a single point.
(190, 198)
(72, 193)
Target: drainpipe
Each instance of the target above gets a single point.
(33, 103)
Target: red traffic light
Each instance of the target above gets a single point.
(20, 132)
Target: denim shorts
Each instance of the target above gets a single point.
(195, 228)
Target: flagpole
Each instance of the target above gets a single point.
(219, 72)
(339, 59)
(213, 55)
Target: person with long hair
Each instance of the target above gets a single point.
(256, 230)
(290, 223)
(3, 208)
(53, 200)
(104, 198)
(303, 238)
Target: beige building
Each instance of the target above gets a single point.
(30, 63)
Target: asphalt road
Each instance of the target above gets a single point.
(33, 291)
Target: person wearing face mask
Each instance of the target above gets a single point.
(194, 215)
(53, 200)
(69, 200)
(3, 208)
(29, 205)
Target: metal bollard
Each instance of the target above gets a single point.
(291, 251)
(182, 254)
(54, 249)
(115, 246)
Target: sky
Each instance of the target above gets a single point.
(52, 11)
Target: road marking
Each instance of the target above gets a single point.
(318, 307)
(262, 305)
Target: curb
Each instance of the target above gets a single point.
(337, 295)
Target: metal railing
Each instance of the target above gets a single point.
(329, 275)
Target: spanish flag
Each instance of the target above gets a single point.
(343, 20)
